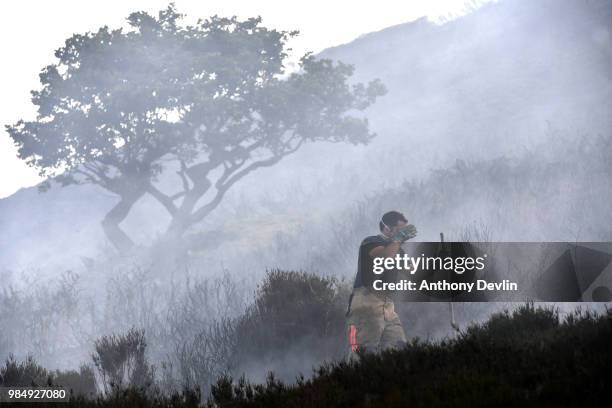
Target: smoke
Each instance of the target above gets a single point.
(496, 125)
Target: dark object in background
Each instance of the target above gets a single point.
(580, 273)
(559, 281)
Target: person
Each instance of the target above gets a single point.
(373, 324)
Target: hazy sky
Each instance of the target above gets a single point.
(31, 31)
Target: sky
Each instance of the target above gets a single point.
(31, 31)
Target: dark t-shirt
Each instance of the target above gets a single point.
(365, 264)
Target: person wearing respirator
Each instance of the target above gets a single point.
(373, 324)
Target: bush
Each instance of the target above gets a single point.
(209, 356)
(296, 316)
(29, 373)
(82, 382)
(23, 374)
(295, 322)
(291, 307)
(121, 361)
(528, 357)
(526, 324)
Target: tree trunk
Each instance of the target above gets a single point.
(176, 229)
(181, 219)
(114, 217)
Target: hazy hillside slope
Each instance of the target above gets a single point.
(499, 74)
(481, 86)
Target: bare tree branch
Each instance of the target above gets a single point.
(178, 195)
(89, 177)
(183, 175)
(202, 212)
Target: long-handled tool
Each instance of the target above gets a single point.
(451, 308)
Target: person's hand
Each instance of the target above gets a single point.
(405, 233)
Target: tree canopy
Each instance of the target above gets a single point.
(212, 100)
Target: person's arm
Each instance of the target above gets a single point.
(388, 251)
(405, 233)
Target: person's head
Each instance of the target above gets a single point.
(391, 221)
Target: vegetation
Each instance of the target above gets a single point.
(211, 101)
(294, 308)
(121, 361)
(295, 321)
(207, 105)
(29, 373)
(527, 357)
(530, 356)
(562, 183)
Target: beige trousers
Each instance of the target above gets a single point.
(373, 324)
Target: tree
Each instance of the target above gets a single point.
(211, 101)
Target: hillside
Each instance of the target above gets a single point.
(498, 74)
(478, 87)
(528, 357)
